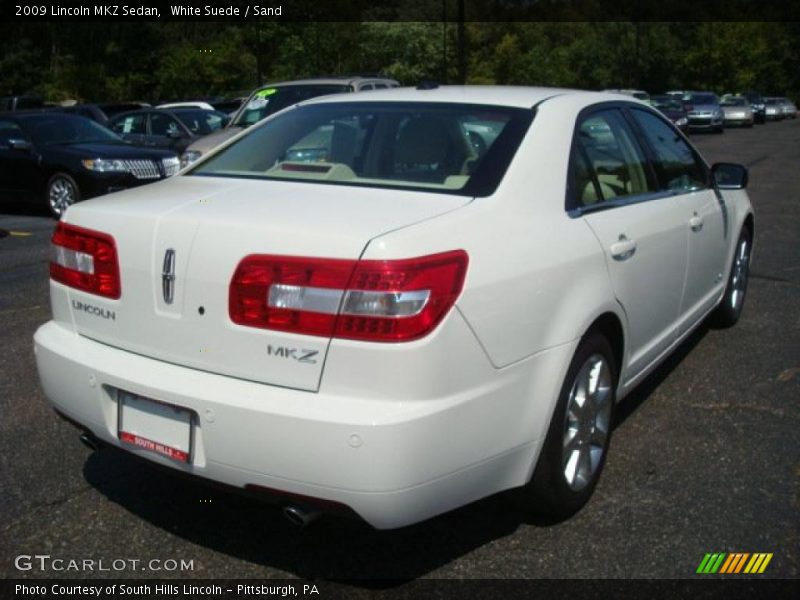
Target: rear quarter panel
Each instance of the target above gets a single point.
(537, 278)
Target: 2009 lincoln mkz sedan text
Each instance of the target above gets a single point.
(399, 302)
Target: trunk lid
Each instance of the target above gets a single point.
(199, 229)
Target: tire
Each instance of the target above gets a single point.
(576, 445)
(730, 307)
(62, 192)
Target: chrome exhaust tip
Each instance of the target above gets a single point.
(89, 441)
(299, 515)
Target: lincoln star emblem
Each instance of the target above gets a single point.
(168, 276)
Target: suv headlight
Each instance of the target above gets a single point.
(106, 165)
(682, 121)
(189, 157)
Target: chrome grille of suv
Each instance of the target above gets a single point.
(143, 169)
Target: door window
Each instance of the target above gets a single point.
(607, 161)
(677, 166)
(131, 124)
(163, 125)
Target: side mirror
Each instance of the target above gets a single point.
(21, 145)
(729, 176)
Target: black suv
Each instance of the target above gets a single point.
(63, 158)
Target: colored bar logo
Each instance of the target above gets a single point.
(734, 563)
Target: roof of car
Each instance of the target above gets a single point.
(497, 95)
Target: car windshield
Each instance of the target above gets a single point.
(451, 148)
(703, 99)
(51, 130)
(270, 100)
(201, 121)
(772, 101)
(734, 102)
(666, 102)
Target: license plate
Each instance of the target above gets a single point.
(156, 427)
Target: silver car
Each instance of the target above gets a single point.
(737, 111)
(272, 97)
(704, 111)
(788, 108)
(774, 109)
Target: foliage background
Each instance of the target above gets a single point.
(153, 61)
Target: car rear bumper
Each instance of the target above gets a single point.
(392, 462)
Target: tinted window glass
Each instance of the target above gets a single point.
(161, 124)
(676, 165)
(440, 147)
(704, 99)
(47, 130)
(614, 158)
(10, 131)
(131, 124)
(200, 121)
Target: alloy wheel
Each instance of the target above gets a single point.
(587, 422)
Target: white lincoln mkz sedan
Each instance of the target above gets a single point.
(399, 303)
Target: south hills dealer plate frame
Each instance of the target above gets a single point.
(141, 421)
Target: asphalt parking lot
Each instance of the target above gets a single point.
(705, 456)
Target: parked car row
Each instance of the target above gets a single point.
(60, 155)
(128, 144)
(704, 110)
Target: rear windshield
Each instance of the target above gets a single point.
(267, 101)
(449, 148)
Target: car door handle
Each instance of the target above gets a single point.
(624, 248)
(696, 223)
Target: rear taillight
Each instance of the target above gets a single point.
(375, 300)
(86, 260)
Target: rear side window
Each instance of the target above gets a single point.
(677, 167)
(607, 161)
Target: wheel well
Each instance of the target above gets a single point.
(608, 324)
(750, 225)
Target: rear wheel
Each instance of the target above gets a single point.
(62, 192)
(730, 307)
(575, 448)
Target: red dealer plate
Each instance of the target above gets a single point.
(156, 427)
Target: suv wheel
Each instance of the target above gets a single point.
(62, 192)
